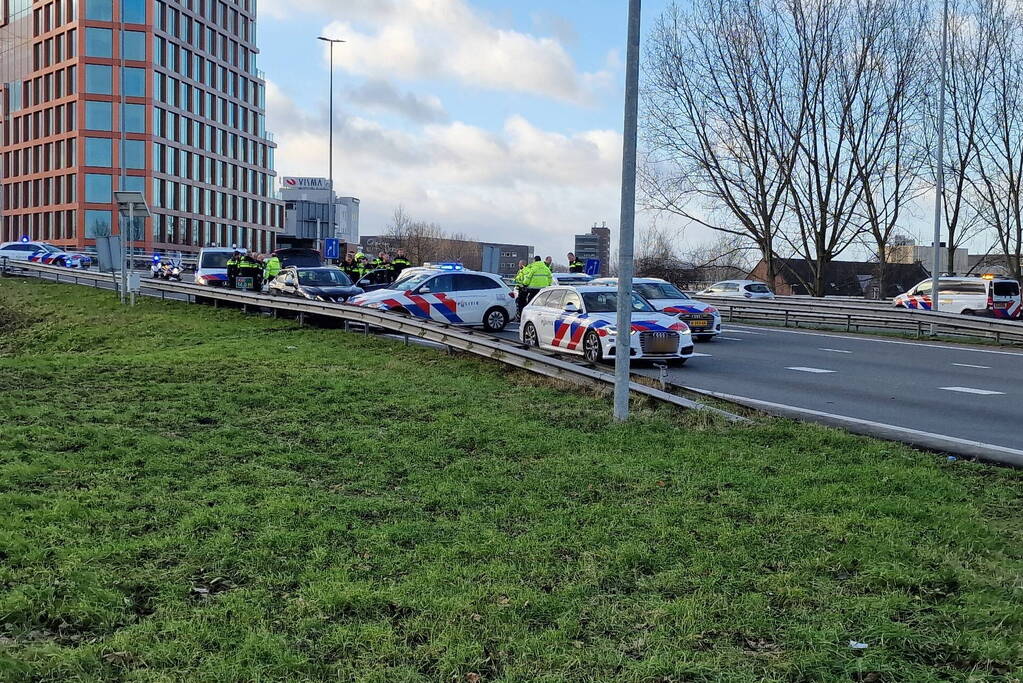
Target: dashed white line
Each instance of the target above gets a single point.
(817, 371)
(702, 355)
(731, 331)
(730, 338)
(967, 365)
(834, 350)
(969, 390)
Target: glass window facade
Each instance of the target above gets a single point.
(133, 11)
(134, 118)
(133, 82)
(134, 153)
(99, 115)
(98, 152)
(99, 42)
(99, 10)
(98, 223)
(134, 45)
(98, 188)
(99, 79)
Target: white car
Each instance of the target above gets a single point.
(581, 320)
(703, 319)
(989, 296)
(749, 289)
(447, 294)
(41, 252)
(211, 266)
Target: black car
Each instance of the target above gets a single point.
(319, 284)
(300, 258)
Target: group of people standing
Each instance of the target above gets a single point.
(383, 269)
(533, 277)
(260, 268)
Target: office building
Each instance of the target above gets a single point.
(309, 217)
(916, 253)
(595, 245)
(159, 96)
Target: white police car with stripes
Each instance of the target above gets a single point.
(582, 321)
(703, 319)
(446, 293)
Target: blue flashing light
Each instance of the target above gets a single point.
(24, 238)
(450, 266)
(156, 258)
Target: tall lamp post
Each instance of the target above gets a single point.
(626, 266)
(939, 192)
(330, 125)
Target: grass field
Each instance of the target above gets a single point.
(191, 494)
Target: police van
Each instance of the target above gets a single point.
(989, 295)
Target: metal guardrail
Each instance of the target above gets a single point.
(450, 336)
(871, 316)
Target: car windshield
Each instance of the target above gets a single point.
(215, 259)
(323, 277)
(758, 288)
(660, 290)
(607, 302)
(413, 281)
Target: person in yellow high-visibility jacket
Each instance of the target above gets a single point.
(536, 276)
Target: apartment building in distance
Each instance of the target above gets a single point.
(595, 245)
(158, 96)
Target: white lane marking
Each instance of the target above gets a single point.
(817, 371)
(1016, 455)
(702, 355)
(968, 390)
(834, 350)
(731, 338)
(967, 365)
(731, 331)
(950, 347)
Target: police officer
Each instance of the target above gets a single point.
(361, 267)
(538, 276)
(348, 266)
(521, 280)
(384, 269)
(549, 262)
(249, 267)
(232, 269)
(271, 267)
(400, 263)
(575, 265)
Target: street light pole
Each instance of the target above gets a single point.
(939, 193)
(330, 125)
(623, 344)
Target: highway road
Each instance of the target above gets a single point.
(964, 392)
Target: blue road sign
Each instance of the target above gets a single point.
(593, 266)
(332, 248)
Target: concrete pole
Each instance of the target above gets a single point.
(939, 193)
(627, 227)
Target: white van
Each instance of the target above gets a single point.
(991, 296)
(211, 266)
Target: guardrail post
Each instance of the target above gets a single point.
(848, 323)
(786, 318)
(301, 318)
(998, 336)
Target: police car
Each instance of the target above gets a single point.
(446, 293)
(582, 321)
(211, 266)
(41, 252)
(989, 295)
(703, 319)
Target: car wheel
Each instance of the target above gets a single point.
(495, 320)
(703, 337)
(592, 350)
(530, 337)
(968, 311)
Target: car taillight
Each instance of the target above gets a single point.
(511, 295)
(990, 300)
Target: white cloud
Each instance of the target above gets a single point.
(447, 39)
(522, 184)
(382, 96)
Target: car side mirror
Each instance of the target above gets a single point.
(571, 308)
(425, 290)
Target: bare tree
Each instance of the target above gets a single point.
(718, 152)
(996, 175)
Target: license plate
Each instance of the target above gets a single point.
(244, 283)
(699, 323)
(1002, 304)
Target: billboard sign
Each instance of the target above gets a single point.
(292, 183)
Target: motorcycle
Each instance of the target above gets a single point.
(162, 270)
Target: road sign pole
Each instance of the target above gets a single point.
(939, 190)
(623, 345)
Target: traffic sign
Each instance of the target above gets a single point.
(593, 266)
(332, 248)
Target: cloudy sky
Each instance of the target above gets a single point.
(497, 118)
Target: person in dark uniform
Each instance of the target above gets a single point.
(399, 263)
(232, 269)
(349, 266)
(575, 265)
